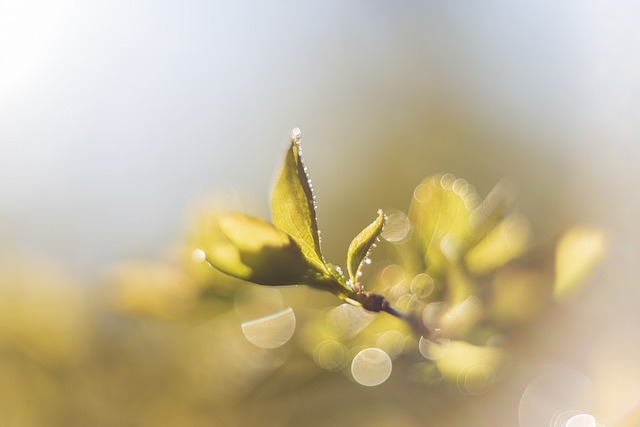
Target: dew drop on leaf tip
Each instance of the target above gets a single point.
(296, 135)
(198, 255)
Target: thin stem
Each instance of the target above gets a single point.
(376, 303)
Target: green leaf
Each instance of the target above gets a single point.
(293, 206)
(492, 209)
(507, 240)
(478, 366)
(252, 249)
(440, 211)
(578, 251)
(361, 245)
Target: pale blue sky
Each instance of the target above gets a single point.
(114, 116)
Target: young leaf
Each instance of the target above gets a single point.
(293, 205)
(473, 362)
(507, 240)
(440, 211)
(361, 245)
(492, 209)
(578, 251)
(252, 249)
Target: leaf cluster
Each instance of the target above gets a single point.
(287, 251)
(457, 272)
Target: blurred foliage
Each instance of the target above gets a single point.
(177, 343)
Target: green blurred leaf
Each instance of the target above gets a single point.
(252, 249)
(361, 245)
(492, 209)
(474, 368)
(504, 242)
(293, 206)
(578, 251)
(440, 211)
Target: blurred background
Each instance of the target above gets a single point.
(122, 122)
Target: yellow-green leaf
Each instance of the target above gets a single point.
(504, 242)
(492, 209)
(578, 251)
(293, 205)
(474, 368)
(252, 249)
(440, 211)
(361, 245)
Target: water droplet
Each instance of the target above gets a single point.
(296, 135)
(367, 261)
(371, 367)
(198, 255)
(271, 331)
(359, 273)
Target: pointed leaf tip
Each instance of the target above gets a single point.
(293, 205)
(296, 135)
(362, 244)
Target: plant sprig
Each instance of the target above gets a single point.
(288, 252)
